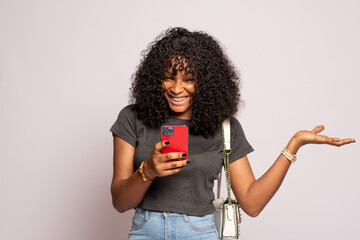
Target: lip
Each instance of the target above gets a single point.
(178, 101)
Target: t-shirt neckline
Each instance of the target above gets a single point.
(178, 120)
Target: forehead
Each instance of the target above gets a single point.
(175, 64)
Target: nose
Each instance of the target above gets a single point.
(177, 87)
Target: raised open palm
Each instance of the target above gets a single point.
(306, 137)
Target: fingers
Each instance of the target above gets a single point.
(171, 172)
(329, 140)
(168, 156)
(161, 165)
(171, 167)
(333, 140)
(172, 156)
(176, 164)
(160, 145)
(339, 142)
(318, 129)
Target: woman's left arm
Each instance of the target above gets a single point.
(252, 194)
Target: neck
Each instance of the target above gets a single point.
(181, 116)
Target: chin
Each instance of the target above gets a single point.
(179, 110)
(183, 112)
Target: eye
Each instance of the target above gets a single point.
(190, 80)
(168, 79)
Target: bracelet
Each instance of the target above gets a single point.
(143, 176)
(291, 157)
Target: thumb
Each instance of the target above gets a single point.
(318, 129)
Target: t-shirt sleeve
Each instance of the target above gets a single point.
(125, 126)
(240, 147)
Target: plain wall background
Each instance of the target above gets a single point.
(65, 69)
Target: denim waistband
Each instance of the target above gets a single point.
(161, 214)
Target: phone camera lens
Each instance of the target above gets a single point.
(167, 131)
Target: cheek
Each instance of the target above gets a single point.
(163, 86)
(191, 89)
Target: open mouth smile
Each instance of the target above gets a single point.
(178, 100)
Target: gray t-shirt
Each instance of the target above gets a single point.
(191, 190)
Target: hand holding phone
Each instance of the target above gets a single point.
(178, 136)
(168, 159)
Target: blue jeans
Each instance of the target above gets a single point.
(170, 226)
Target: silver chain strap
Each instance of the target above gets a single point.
(219, 185)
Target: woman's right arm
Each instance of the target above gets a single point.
(128, 188)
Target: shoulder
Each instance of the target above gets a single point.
(239, 144)
(126, 125)
(129, 110)
(128, 114)
(126, 119)
(235, 124)
(237, 132)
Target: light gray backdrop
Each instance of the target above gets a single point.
(65, 70)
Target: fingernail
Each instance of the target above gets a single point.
(184, 155)
(167, 143)
(187, 162)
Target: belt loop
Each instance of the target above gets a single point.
(186, 218)
(146, 215)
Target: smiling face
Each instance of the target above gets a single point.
(179, 88)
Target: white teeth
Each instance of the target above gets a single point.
(178, 99)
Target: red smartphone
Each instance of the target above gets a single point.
(178, 136)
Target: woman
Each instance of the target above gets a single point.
(185, 78)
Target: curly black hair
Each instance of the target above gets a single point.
(217, 92)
